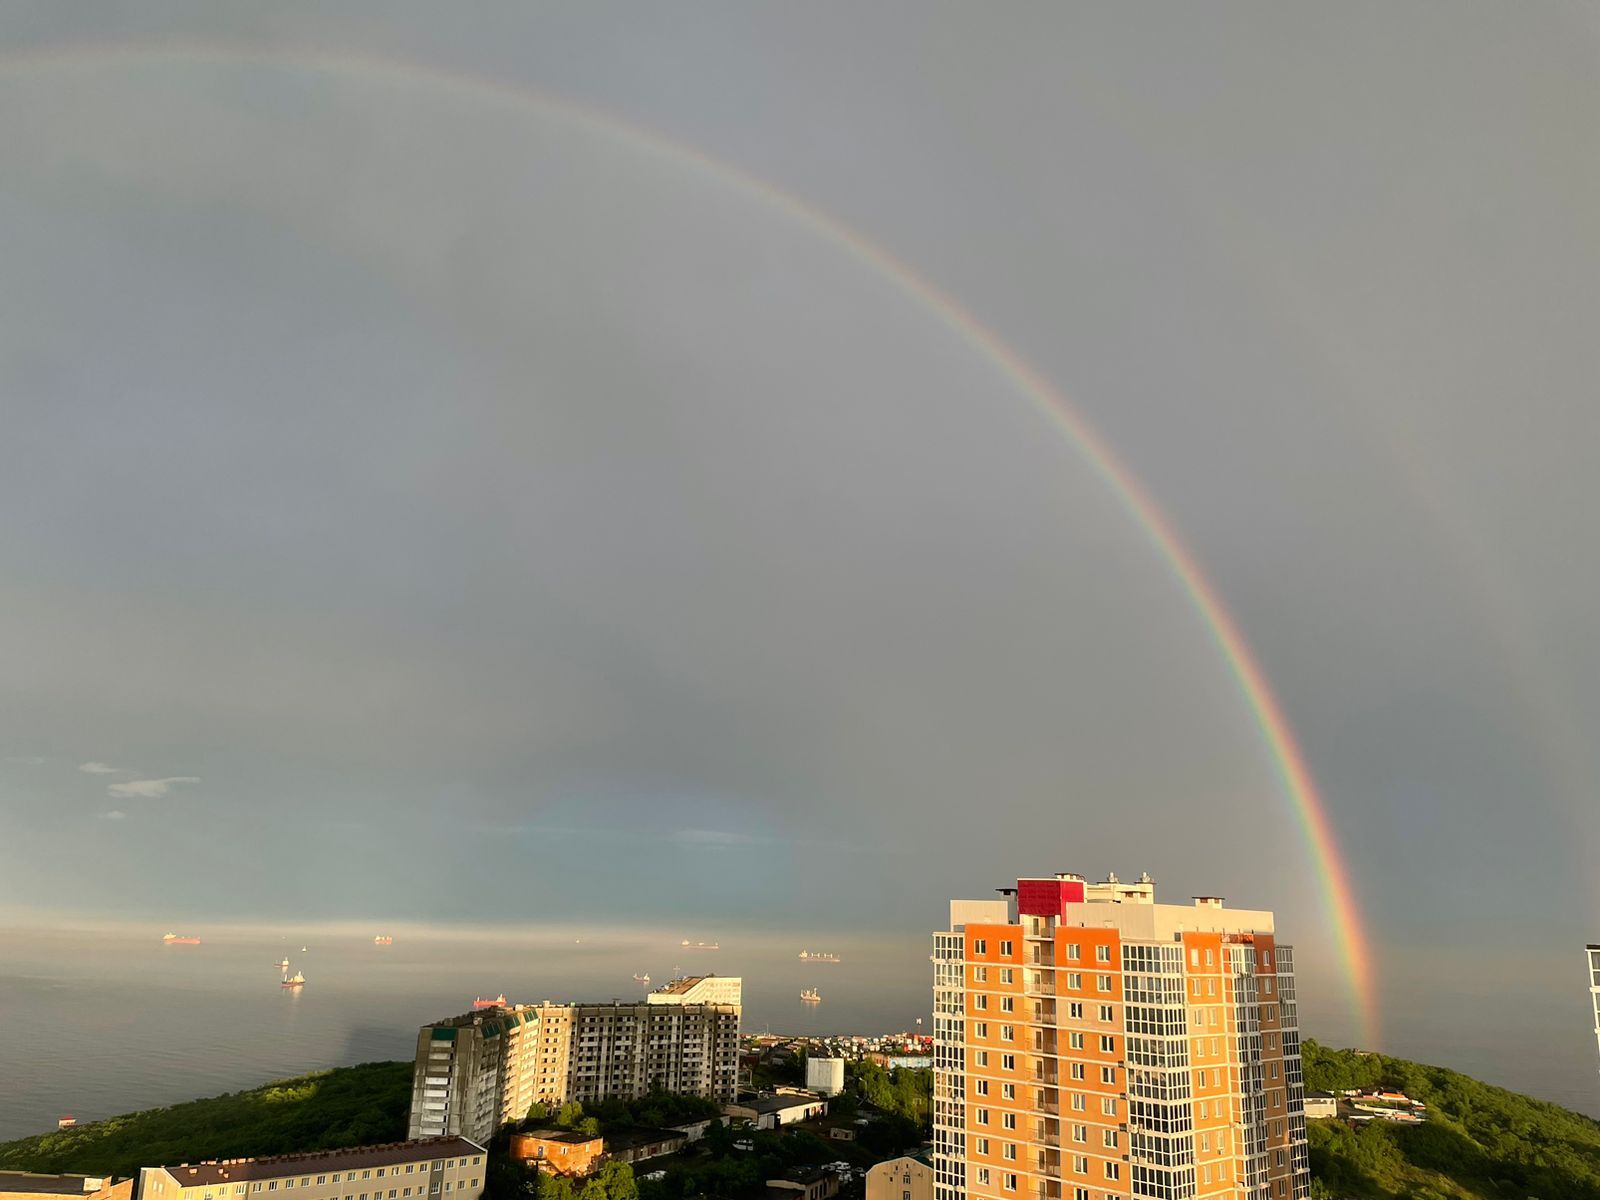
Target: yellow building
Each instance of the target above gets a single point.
(433, 1169)
(900, 1179)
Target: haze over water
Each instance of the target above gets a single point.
(118, 1022)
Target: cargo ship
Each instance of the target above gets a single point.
(499, 1001)
(173, 939)
(809, 956)
(688, 945)
(641, 979)
(282, 964)
(383, 939)
(811, 996)
(296, 980)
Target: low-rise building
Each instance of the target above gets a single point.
(558, 1151)
(788, 1106)
(804, 1183)
(641, 1143)
(1321, 1104)
(25, 1185)
(900, 1179)
(449, 1168)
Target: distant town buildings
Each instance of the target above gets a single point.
(1091, 1043)
(436, 1168)
(477, 1071)
(825, 1075)
(900, 1179)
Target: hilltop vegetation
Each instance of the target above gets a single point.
(1479, 1143)
(348, 1106)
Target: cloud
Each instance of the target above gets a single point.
(116, 814)
(713, 839)
(100, 768)
(147, 789)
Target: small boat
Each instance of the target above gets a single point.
(293, 981)
(383, 939)
(173, 939)
(303, 950)
(66, 1122)
(688, 945)
(641, 979)
(809, 956)
(499, 1001)
(282, 964)
(811, 996)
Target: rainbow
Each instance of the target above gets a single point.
(1289, 761)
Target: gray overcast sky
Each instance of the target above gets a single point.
(424, 501)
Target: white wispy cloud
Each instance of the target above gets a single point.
(713, 839)
(100, 768)
(116, 814)
(147, 789)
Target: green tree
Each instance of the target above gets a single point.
(569, 1114)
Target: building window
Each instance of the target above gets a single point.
(1008, 1120)
(1105, 1012)
(1008, 1062)
(1007, 1004)
(982, 1087)
(1113, 1170)
(980, 1001)
(980, 946)
(1108, 1074)
(1073, 952)
(1075, 1010)
(1005, 949)
(1076, 1039)
(1102, 983)
(1108, 1045)
(1109, 1137)
(1102, 954)
(1080, 1102)
(1077, 1070)
(1010, 1182)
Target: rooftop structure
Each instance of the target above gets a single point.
(700, 989)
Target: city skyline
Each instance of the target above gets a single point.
(473, 475)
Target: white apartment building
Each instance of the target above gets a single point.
(478, 1071)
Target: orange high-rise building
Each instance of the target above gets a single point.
(1091, 1044)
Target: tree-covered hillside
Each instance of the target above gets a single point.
(349, 1106)
(1479, 1143)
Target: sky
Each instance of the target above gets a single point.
(454, 467)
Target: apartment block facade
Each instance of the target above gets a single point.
(1594, 987)
(1091, 1044)
(432, 1169)
(478, 1071)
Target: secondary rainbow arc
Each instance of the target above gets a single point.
(1288, 760)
